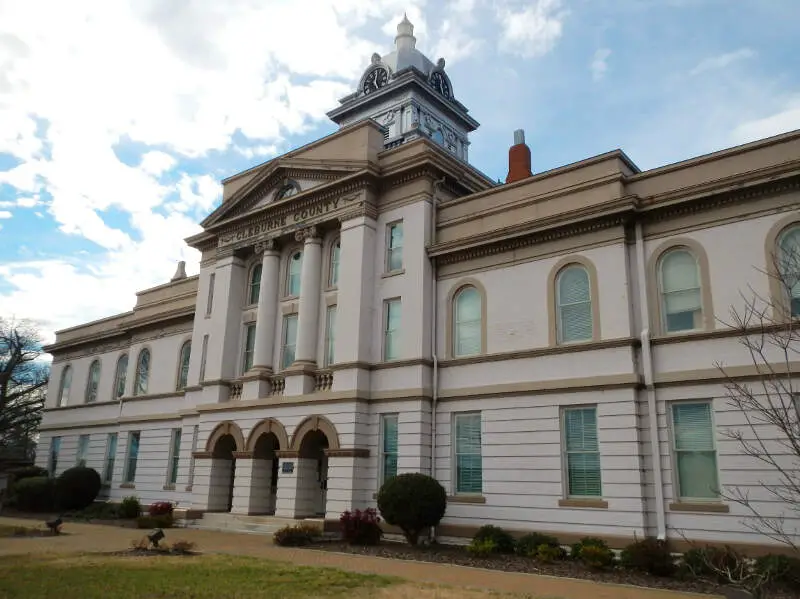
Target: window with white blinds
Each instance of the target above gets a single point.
(289, 344)
(255, 284)
(574, 301)
(391, 331)
(174, 456)
(330, 335)
(582, 452)
(120, 376)
(681, 300)
(469, 464)
(132, 458)
(695, 451)
(183, 365)
(111, 457)
(64, 385)
(83, 450)
(142, 378)
(789, 252)
(394, 247)
(388, 447)
(293, 272)
(249, 347)
(467, 326)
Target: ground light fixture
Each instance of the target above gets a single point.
(156, 536)
(54, 525)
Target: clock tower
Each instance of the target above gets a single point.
(410, 97)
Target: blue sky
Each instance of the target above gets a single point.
(118, 119)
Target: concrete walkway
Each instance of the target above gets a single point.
(98, 538)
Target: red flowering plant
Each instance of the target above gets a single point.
(161, 508)
(361, 527)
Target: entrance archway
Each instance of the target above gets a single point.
(312, 476)
(223, 472)
(264, 484)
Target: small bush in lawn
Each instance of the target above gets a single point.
(780, 570)
(161, 508)
(130, 508)
(34, 494)
(413, 502)
(361, 527)
(77, 488)
(548, 554)
(163, 521)
(575, 550)
(482, 547)
(503, 541)
(649, 555)
(528, 545)
(294, 536)
(181, 546)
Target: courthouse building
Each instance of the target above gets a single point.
(372, 304)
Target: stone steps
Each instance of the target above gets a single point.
(264, 525)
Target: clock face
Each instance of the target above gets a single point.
(375, 79)
(439, 83)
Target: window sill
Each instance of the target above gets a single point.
(331, 289)
(466, 499)
(393, 273)
(168, 487)
(583, 503)
(700, 507)
(127, 486)
(289, 298)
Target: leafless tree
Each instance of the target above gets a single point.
(23, 385)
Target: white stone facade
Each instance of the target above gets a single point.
(304, 415)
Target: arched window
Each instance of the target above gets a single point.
(93, 381)
(679, 286)
(573, 304)
(142, 373)
(333, 274)
(293, 271)
(120, 376)
(467, 325)
(64, 385)
(255, 284)
(183, 365)
(789, 268)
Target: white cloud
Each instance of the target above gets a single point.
(721, 61)
(5, 214)
(157, 163)
(531, 30)
(787, 119)
(599, 64)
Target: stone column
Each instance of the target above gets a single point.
(201, 485)
(263, 350)
(308, 313)
(285, 502)
(349, 481)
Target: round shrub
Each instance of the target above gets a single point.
(548, 554)
(649, 555)
(130, 508)
(528, 545)
(482, 547)
(412, 502)
(34, 494)
(503, 541)
(22, 472)
(597, 558)
(77, 488)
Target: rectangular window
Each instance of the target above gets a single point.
(289, 340)
(83, 450)
(394, 247)
(55, 448)
(210, 300)
(695, 451)
(174, 455)
(111, 456)
(133, 456)
(469, 466)
(203, 357)
(391, 329)
(195, 430)
(388, 464)
(330, 335)
(249, 345)
(582, 452)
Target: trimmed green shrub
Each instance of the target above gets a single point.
(503, 541)
(597, 558)
(649, 555)
(295, 536)
(23, 472)
(77, 488)
(361, 527)
(482, 547)
(413, 502)
(576, 548)
(130, 508)
(548, 554)
(161, 521)
(528, 545)
(34, 494)
(780, 570)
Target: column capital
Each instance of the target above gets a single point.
(307, 234)
(264, 246)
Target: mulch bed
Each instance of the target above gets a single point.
(450, 554)
(154, 553)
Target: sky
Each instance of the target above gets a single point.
(119, 119)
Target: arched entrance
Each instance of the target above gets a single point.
(264, 485)
(312, 476)
(223, 472)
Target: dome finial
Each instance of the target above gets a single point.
(405, 34)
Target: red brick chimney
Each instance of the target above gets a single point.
(519, 158)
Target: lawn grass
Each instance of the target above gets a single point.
(201, 577)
